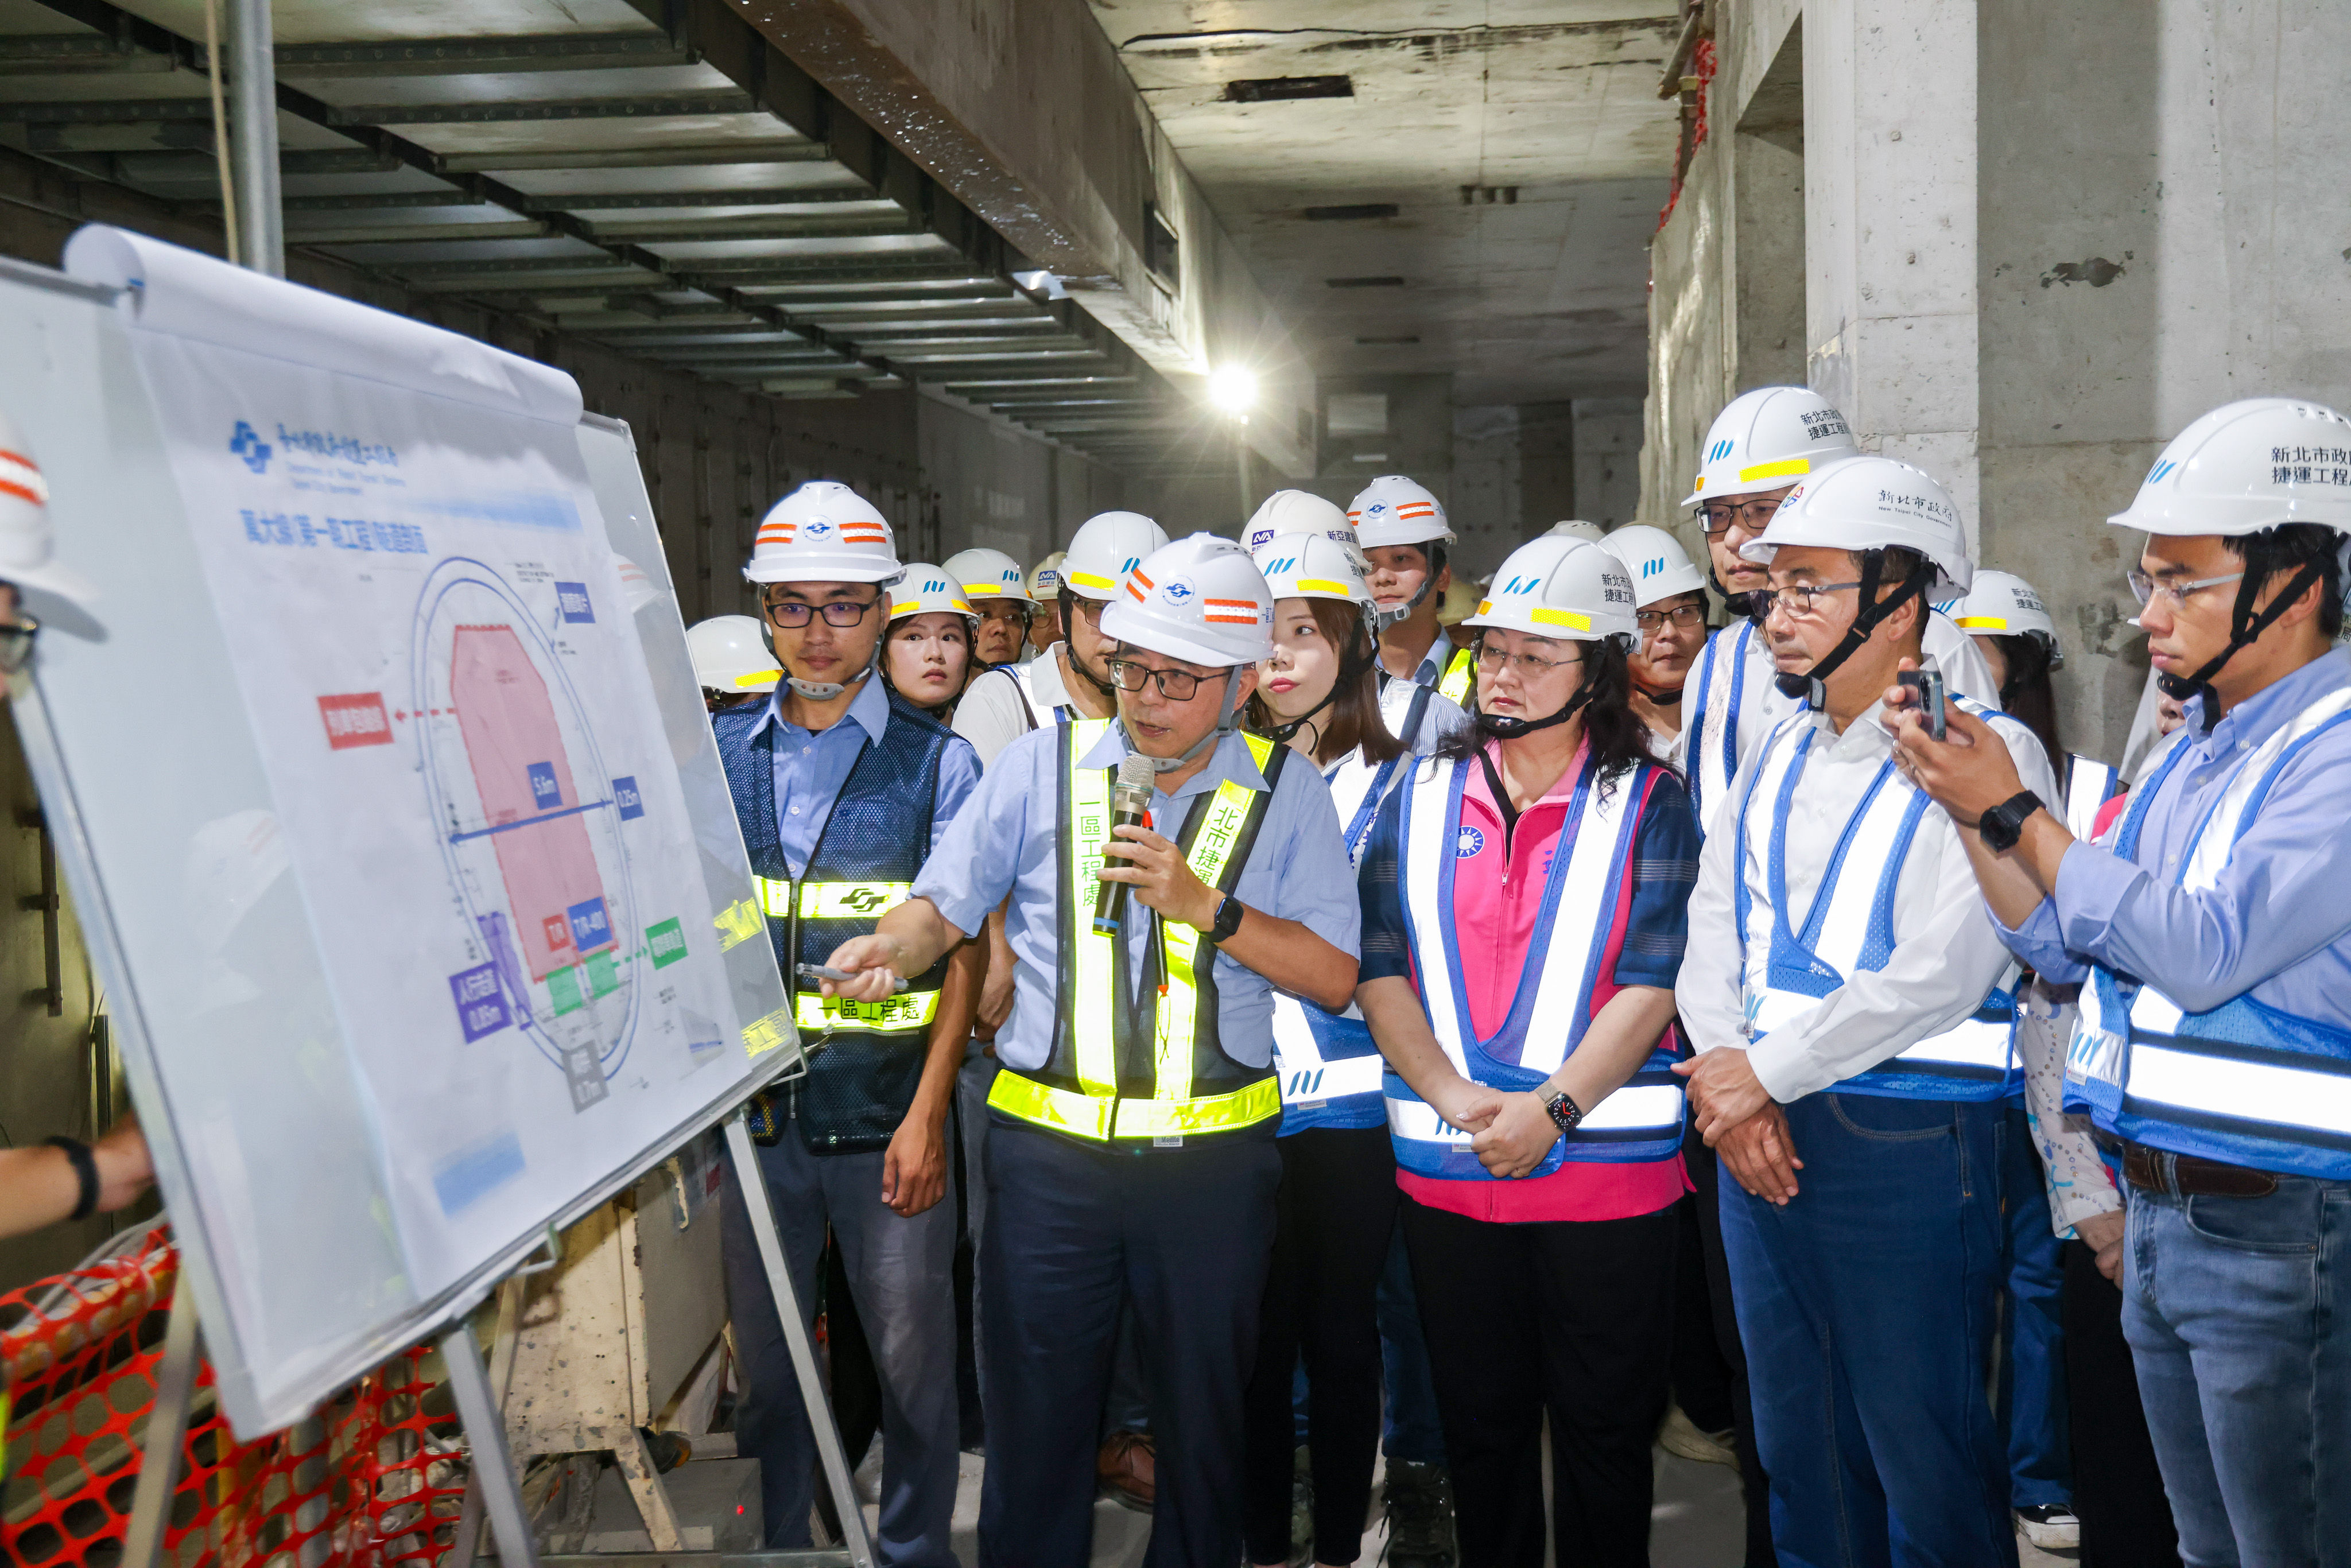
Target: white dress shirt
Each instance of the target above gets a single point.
(1947, 955)
(1002, 704)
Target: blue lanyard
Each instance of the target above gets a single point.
(1731, 724)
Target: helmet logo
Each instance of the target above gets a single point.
(1654, 566)
(1177, 590)
(1376, 507)
(817, 527)
(1132, 562)
(1283, 566)
(934, 585)
(1720, 450)
(2159, 470)
(1522, 585)
(1258, 539)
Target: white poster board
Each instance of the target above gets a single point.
(384, 792)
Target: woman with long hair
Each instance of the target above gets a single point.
(1320, 694)
(1525, 898)
(926, 653)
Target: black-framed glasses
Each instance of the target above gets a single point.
(1175, 685)
(1688, 617)
(16, 644)
(797, 612)
(1753, 515)
(1797, 599)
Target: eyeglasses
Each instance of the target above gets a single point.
(1175, 685)
(1090, 610)
(2147, 589)
(1530, 666)
(1005, 610)
(797, 612)
(1752, 516)
(16, 644)
(1798, 598)
(1688, 617)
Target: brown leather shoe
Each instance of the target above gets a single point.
(1126, 1471)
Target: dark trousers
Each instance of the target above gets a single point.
(1335, 1216)
(1573, 1320)
(2117, 1491)
(1074, 1230)
(1705, 1173)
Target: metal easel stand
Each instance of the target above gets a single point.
(167, 1432)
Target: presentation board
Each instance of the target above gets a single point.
(383, 789)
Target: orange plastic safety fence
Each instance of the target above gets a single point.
(1702, 67)
(376, 1479)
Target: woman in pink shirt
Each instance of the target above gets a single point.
(1524, 899)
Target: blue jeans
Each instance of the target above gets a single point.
(2033, 1363)
(1865, 1307)
(2230, 1305)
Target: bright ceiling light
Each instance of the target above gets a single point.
(1233, 388)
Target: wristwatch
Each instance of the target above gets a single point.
(1563, 1110)
(1228, 921)
(2005, 823)
(85, 1168)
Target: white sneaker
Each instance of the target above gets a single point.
(1683, 1438)
(2050, 1526)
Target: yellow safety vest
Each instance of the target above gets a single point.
(1093, 1022)
(812, 1010)
(1459, 676)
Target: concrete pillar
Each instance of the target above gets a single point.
(1890, 228)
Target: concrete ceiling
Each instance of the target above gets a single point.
(1456, 106)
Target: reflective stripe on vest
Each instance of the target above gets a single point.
(832, 900)
(1094, 1018)
(2089, 785)
(1458, 675)
(1713, 720)
(1850, 930)
(2243, 1082)
(1552, 1005)
(907, 1011)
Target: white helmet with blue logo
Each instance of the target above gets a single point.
(1200, 599)
(1565, 588)
(1395, 510)
(823, 532)
(1295, 512)
(1660, 568)
(989, 574)
(928, 590)
(2246, 467)
(1769, 439)
(1108, 547)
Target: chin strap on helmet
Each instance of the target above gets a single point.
(1741, 605)
(1384, 619)
(2244, 627)
(1068, 615)
(1810, 686)
(1664, 697)
(1502, 728)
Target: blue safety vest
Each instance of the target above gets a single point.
(2243, 1082)
(1640, 1122)
(1713, 758)
(1850, 929)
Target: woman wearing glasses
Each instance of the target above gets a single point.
(1523, 917)
(1320, 694)
(1670, 623)
(927, 655)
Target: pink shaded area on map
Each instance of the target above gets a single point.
(508, 723)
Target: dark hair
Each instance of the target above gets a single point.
(1615, 735)
(1353, 719)
(2285, 549)
(2026, 695)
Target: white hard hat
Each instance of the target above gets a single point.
(1045, 577)
(1560, 588)
(1576, 528)
(25, 540)
(1767, 440)
(1309, 566)
(1395, 510)
(1295, 512)
(989, 574)
(731, 654)
(1200, 599)
(823, 532)
(1660, 568)
(928, 590)
(1108, 547)
(1872, 503)
(2246, 467)
(2002, 604)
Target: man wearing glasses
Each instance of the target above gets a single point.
(2209, 930)
(840, 788)
(1761, 445)
(1671, 629)
(1131, 1151)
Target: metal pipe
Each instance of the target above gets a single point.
(253, 95)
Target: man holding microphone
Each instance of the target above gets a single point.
(1130, 1149)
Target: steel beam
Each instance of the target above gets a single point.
(422, 233)
(677, 157)
(650, 106)
(761, 196)
(470, 56)
(252, 137)
(844, 226)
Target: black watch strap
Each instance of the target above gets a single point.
(1227, 920)
(2005, 823)
(84, 1164)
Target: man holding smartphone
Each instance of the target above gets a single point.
(840, 788)
(1850, 1001)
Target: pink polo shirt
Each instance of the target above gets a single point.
(1497, 898)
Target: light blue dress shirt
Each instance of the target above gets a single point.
(812, 764)
(2278, 921)
(1008, 840)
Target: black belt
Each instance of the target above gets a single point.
(2191, 1175)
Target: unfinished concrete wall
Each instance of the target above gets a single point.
(1607, 435)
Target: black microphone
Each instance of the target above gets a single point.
(1130, 803)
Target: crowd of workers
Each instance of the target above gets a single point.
(1345, 1022)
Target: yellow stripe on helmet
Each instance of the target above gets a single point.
(1775, 470)
(1322, 585)
(1574, 619)
(1088, 579)
(1982, 623)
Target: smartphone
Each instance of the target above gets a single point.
(1928, 685)
(824, 972)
